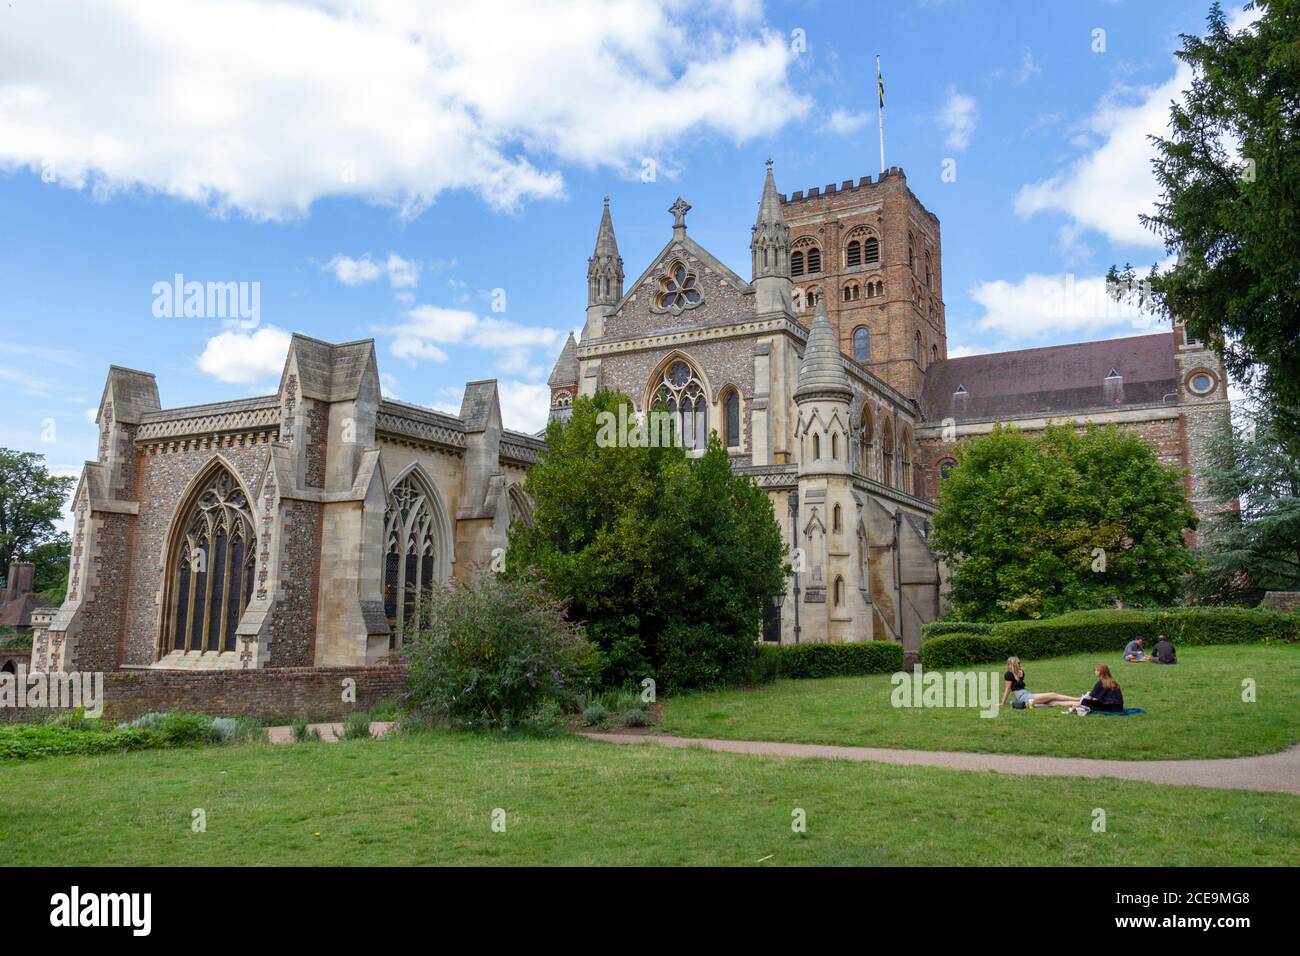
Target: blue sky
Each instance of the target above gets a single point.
(394, 171)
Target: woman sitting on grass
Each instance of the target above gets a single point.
(1105, 694)
(1014, 684)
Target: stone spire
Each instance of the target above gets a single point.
(821, 373)
(605, 267)
(566, 368)
(769, 246)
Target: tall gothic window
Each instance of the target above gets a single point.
(861, 346)
(682, 394)
(871, 251)
(412, 557)
(814, 260)
(887, 453)
(796, 263)
(211, 570)
(866, 442)
(731, 415)
(905, 481)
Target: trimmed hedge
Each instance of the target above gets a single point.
(939, 628)
(797, 661)
(1108, 631)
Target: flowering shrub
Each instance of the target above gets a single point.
(497, 652)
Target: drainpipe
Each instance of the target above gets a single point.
(794, 544)
(898, 572)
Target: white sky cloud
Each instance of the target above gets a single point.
(402, 273)
(1112, 183)
(427, 329)
(1039, 305)
(844, 122)
(392, 101)
(246, 358)
(958, 119)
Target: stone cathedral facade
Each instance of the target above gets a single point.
(299, 529)
(292, 530)
(826, 377)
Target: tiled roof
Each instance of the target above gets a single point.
(1055, 380)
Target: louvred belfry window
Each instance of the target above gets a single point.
(211, 571)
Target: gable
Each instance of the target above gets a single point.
(657, 301)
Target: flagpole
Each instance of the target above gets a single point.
(880, 100)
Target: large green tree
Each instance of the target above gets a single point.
(31, 502)
(1254, 545)
(1229, 173)
(1037, 524)
(643, 542)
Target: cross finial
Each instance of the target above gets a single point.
(679, 209)
(769, 162)
(606, 200)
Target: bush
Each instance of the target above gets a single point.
(595, 714)
(303, 733)
(694, 656)
(496, 651)
(939, 628)
(25, 741)
(356, 727)
(1108, 631)
(12, 640)
(962, 650)
(797, 661)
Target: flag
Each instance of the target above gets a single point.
(880, 84)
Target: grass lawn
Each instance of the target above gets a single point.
(428, 799)
(1193, 709)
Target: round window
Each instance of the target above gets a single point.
(1201, 383)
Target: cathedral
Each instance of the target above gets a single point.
(298, 530)
(826, 377)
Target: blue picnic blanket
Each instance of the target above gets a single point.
(1118, 713)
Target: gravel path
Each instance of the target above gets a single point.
(1279, 772)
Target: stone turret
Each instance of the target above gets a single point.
(835, 585)
(564, 380)
(604, 277)
(769, 247)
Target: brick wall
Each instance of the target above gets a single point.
(282, 692)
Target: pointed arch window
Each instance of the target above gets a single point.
(210, 574)
(887, 453)
(814, 260)
(731, 418)
(796, 263)
(414, 555)
(837, 520)
(871, 251)
(866, 442)
(905, 481)
(683, 396)
(839, 592)
(853, 254)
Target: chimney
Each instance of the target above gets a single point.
(26, 574)
(11, 582)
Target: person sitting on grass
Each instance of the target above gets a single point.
(1014, 685)
(1105, 694)
(1164, 651)
(1135, 653)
